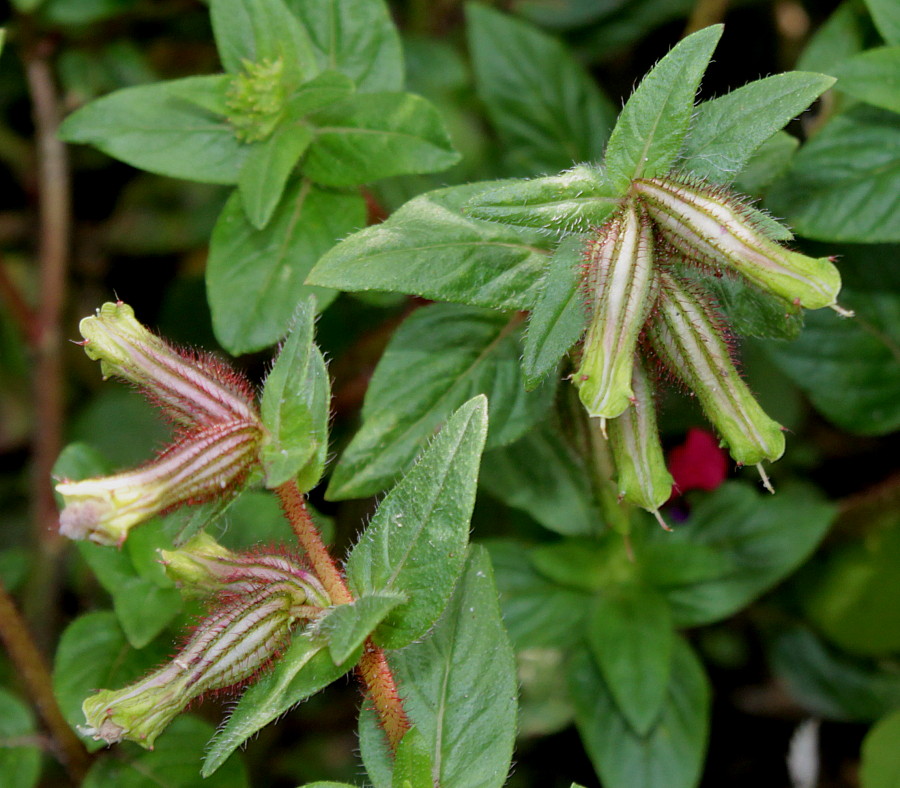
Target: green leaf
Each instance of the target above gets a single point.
(873, 77)
(839, 38)
(671, 754)
(886, 16)
(347, 626)
(416, 541)
(429, 248)
(154, 129)
(295, 408)
(254, 278)
(832, 684)
(727, 130)
(631, 638)
(848, 367)
(441, 356)
(374, 748)
(585, 564)
(844, 184)
(327, 88)
(266, 170)
(258, 30)
(767, 164)
(356, 37)
(547, 110)
(304, 669)
(748, 529)
(413, 765)
(93, 653)
(652, 125)
(171, 763)
(559, 316)
(376, 135)
(880, 766)
(208, 92)
(540, 475)
(851, 598)
(755, 313)
(573, 201)
(20, 763)
(459, 685)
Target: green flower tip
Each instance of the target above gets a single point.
(256, 98)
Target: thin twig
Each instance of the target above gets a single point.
(373, 667)
(32, 670)
(19, 309)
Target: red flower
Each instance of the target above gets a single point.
(699, 463)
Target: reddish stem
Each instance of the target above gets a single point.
(373, 668)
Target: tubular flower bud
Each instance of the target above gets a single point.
(204, 464)
(641, 471)
(686, 333)
(710, 225)
(202, 567)
(234, 644)
(193, 389)
(619, 279)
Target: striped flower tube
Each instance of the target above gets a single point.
(687, 334)
(641, 472)
(618, 279)
(709, 225)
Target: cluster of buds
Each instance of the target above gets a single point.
(218, 431)
(257, 600)
(645, 303)
(256, 99)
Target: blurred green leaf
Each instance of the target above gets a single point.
(20, 762)
(671, 754)
(880, 766)
(295, 407)
(849, 367)
(873, 77)
(416, 541)
(653, 123)
(84, 12)
(886, 15)
(548, 111)
(459, 685)
(844, 184)
(840, 37)
(255, 277)
(441, 356)
(767, 164)
(565, 13)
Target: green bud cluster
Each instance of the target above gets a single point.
(644, 304)
(256, 99)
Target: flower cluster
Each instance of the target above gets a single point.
(257, 600)
(646, 302)
(219, 431)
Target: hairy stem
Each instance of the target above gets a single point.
(373, 667)
(54, 199)
(32, 670)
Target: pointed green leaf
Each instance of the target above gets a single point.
(209, 92)
(374, 749)
(540, 475)
(413, 765)
(254, 278)
(768, 163)
(93, 653)
(257, 30)
(844, 184)
(653, 123)
(873, 77)
(441, 356)
(151, 127)
(753, 312)
(671, 754)
(548, 111)
(416, 541)
(356, 37)
(304, 669)
(559, 316)
(430, 248)
(840, 37)
(295, 408)
(347, 626)
(266, 169)
(573, 201)
(20, 763)
(459, 685)
(171, 763)
(631, 637)
(748, 529)
(886, 15)
(376, 135)
(849, 367)
(727, 130)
